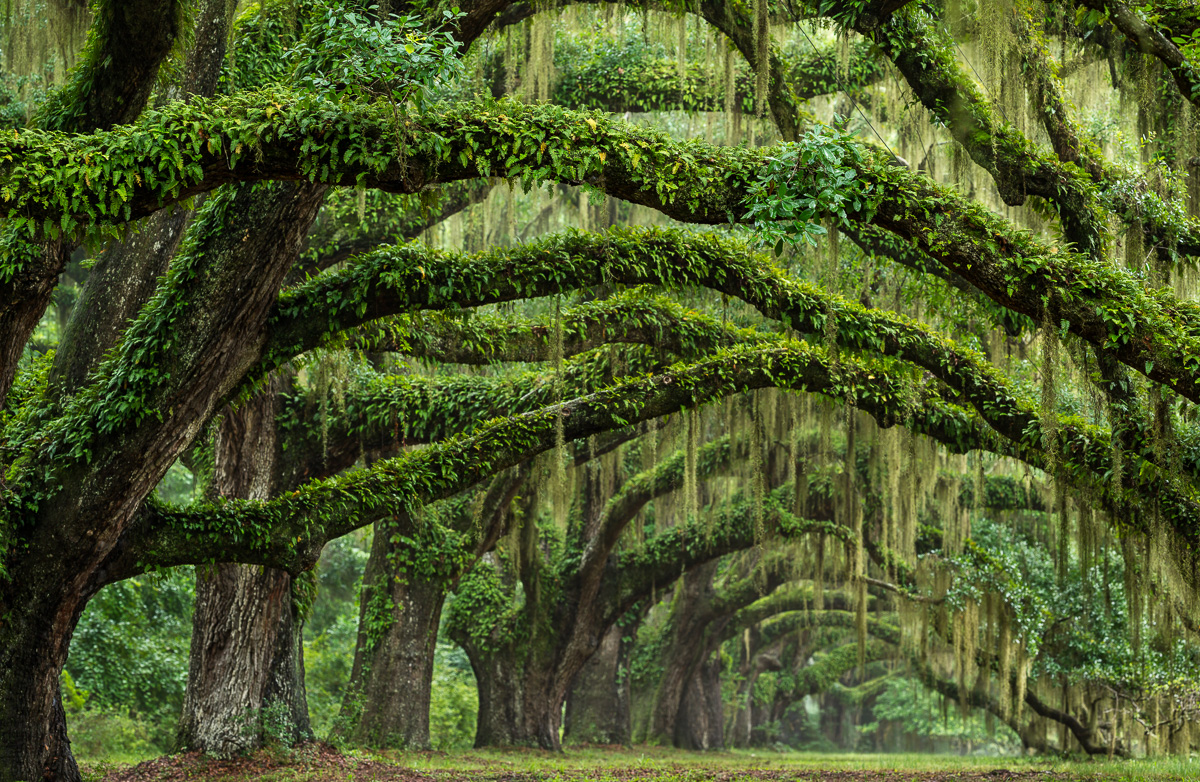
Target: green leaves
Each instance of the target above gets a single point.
(808, 180)
(361, 56)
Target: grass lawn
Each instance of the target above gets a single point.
(319, 763)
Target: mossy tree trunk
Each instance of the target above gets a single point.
(387, 700)
(701, 616)
(700, 721)
(404, 589)
(598, 709)
(527, 650)
(681, 652)
(527, 653)
(743, 723)
(518, 657)
(121, 69)
(520, 697)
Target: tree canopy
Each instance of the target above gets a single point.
(890, 300)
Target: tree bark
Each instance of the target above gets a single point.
(699, 723)
(682, 651)
(387, 702)
(285, 694)
(33, 649)
(519, 700)
(391, 682)
(246, 676)
(598, 704)
(243, 621)
(23, 301)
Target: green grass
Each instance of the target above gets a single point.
(596, 759)
(644, 764)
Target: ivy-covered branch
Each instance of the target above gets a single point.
(109, 85)
(983, 700)
(690, 181)
(634, 317)
(380, 413)
(828, 667)
(779, 612)
(414, 277)
(287, 532)
(815, 678)
(879, 243)
(1132, 199)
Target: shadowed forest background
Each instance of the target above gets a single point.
(815, 375)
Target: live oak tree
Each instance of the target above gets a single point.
(198, 197)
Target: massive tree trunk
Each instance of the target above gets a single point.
(520, 698)
(39, 619)
(524, 666)
(519, 664)
(685, 707)
(526, 654)
(285, 695)
(72, 545)
(748, 716)
(700, 721)
(244, 625)
(387, 701)
(246, 630)
(682, 652)
(598, 705)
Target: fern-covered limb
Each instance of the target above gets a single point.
(663, 478)
(116, 72)
(633, 318)
(690, 181)
(288, 532)
(381, 413)
(413, 277)
(1131, 198)
(884, 244)
(735, 525)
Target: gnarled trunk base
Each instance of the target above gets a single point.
(518, 704)
(700, 722)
